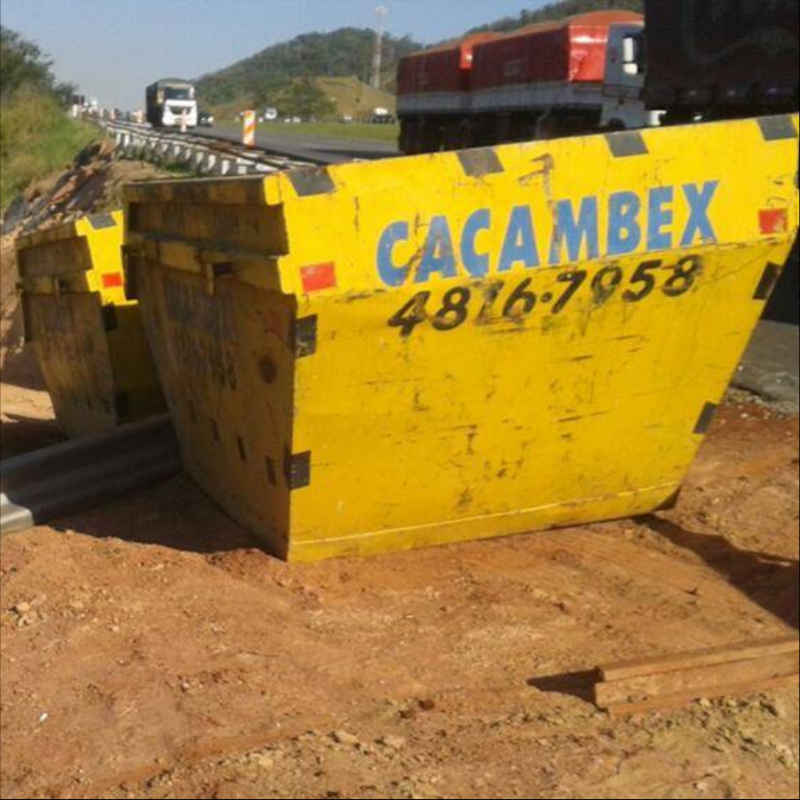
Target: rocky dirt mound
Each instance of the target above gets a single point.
(92, 183)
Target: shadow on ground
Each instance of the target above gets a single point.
(175, 514)
(20, 434)
(770, 581)
(574, 684)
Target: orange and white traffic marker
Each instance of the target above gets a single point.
(249, 130)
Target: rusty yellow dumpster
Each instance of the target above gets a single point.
(426, 350)
(88, 337)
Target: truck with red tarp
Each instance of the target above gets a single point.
(551, 79)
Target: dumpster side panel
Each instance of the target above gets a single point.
(88, 336)
(231, 405)
(72, 350)
(136, 390)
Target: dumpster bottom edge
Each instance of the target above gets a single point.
(581, 512)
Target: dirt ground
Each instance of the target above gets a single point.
(150, 650)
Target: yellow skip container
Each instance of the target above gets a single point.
(425, 350)
(88, 337)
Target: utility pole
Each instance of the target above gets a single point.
(381, 13)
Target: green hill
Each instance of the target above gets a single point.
(345, 53)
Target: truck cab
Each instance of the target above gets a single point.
(171, 103)
(623, 90)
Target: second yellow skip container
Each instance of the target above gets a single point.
(87, 335)
(396, 354)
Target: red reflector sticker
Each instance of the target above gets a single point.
(774, 221)
(318, 277)
(113, 280)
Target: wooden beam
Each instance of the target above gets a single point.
(633, 686)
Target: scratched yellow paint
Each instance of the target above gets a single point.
(346, 380)
(88, 337)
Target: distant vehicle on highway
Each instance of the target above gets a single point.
(382, 119)
(270, 114)
(205, 119)
(170, 103)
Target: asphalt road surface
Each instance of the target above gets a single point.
(771, 368)
(322, 149)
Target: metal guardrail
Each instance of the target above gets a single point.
(204, 155)
(83, 473)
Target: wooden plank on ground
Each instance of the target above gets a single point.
(681, 700)
(701, 658)
(635, 686)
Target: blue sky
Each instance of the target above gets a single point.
(113, 48)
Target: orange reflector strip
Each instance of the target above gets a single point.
(318, 277)
(774, 220)
(112, 280)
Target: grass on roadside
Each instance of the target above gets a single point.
(36, 139)
(337, 130)
(358, 131)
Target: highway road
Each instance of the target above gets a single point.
(321, 149)
(771, 368)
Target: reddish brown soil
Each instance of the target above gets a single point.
(150, 650)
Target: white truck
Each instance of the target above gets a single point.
(171, 103)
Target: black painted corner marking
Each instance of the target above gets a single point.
(103, 220)
(706, 419)
(272, 475)
(130, 269)
(478, 163)
(772, 273)
(312, 182)
(298, 470)
(122, 405)
(109, 317)
(776, 129)
(627, 144)
(305, 336)
(27, 322)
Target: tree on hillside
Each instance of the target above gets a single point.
(559, 10)
(22, 65)
(302, 98)
(266, 90)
